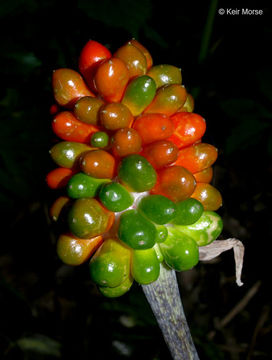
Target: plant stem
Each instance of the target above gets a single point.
(207, 32)
(164, 299)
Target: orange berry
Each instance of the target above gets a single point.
(92, 54)
(189, 127)
(98, 163)
(148, 57)
(153, 127)
(133, 58)
(59, 177)
(208, 195)
(160, 153)
(197, 157)
(126, 141)
(111, 79)
(87, 109)
(115, 116)
(175, 182)
(204, 176)
(74, 251)
(66, 126)
(68, 87)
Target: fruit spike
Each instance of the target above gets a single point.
(132, 170)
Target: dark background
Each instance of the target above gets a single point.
(49, 310)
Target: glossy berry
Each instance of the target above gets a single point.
(87, 109)
(175, 182)
(125, 142)
(136, 231)
(92, 53)
(162, 233)
(68, 87)
(205, 230)
(116, 291)
(139, 94)
(111, 79)
(189, 104)
(59, 177)
(66, 153)
(168, 100)
(88, 218)
(134, 59)
(153, 127)
(158, 252)
(81, 185)
(91, 56)
(115, 116)
(100, 139)
(187, 212)
(160, 153)
(110, 266)
(165, 75)
(74, 251)
(157, 208)
(197, 157)
(204, 176)
(189, 128)
(180, 251)
(66, 126)
(145, 266)
(137, 173)
(115, 197)
(98, 163)
(208, 195)
(148, 57)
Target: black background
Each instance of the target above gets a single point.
(48, 310)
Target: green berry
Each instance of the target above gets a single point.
(205, 230)
(136, 231)
(157, 249)
(157, 208)
(113, 292)
(145, 267)
(115, 197)
(110, 265)
(66, 153)
(100, 139)
(187, 212)
(139, 94)
(81, 185)
(87, 218)
(165, 74)
(137, 173)
(162, 233)
(180, 252)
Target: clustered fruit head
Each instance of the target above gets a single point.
(132, 168)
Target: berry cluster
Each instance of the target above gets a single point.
(132, 166)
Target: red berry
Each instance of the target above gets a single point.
(92, 54)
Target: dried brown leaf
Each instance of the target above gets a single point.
(217, 247)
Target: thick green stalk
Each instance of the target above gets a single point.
(164, 299)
